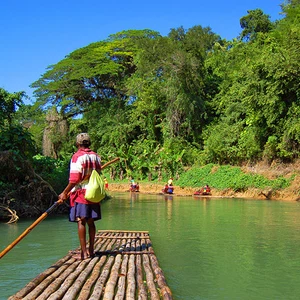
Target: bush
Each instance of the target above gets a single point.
(224, 177)
(54, 171)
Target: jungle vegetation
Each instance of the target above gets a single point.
(164, 104)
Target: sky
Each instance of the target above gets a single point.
(35, 34)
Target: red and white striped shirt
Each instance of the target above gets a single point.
(83, 162)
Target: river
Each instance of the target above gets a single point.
(208, 248)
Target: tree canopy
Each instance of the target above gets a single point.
(163, 103)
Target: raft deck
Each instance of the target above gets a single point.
(124, 267)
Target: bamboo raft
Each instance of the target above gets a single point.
(124, 267)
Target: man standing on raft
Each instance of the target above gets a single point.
(82, 211)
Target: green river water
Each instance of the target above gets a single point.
(208, 248)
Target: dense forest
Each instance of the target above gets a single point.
(165, 103)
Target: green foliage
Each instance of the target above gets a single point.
(55, 172)
(163, 104)
(256, 21)
(14, 136)
(17, 139)
(33, 119)
(228, 177)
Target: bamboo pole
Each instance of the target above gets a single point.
(99, 244)
(111, 283)
(116, 245)
(110, 244)
(130, 291)
(75, 289)
(122, 279)
(150, 278)
(123, 245)
(43, 285)
(124, 231)
(98, 288)
(50, 287)
(68, 282)
(160, 278)
(142, 293)
(133, 245)
(143, 244)
(87, 288)
(138, 244)
(127, 247)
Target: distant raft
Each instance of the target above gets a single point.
(203, 191)
(124, 267)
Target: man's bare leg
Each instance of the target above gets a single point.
(92, 233)
(82, 239)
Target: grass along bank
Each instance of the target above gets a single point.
(260, 181)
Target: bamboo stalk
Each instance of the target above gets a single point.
(124, 231)
(143, 244)
(118, 237)
(161, 280)
(104, 245)
(115, 252)
(99, 244)
(68, 281)
(116, 245)
(74, 290)
(142, 293)
(48, 287)
(87, 288)
(43, 284)
(123, 245)
(138, 245)
(130, 291)
(150, 278)
(110, 244)
(132, 245)
(111, 283)
(122, 279)
(98, 288)
(149, 245)
(128, 248)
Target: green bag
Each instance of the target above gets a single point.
(95, 191)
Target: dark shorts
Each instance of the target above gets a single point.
(87, 211)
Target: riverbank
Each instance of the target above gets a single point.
(273, 171)
(153, 188)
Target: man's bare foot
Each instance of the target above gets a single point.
(80, 256)
(91, 252)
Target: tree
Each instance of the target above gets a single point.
(256, 21)
(14, 136)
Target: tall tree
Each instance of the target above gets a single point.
(96, 74)
(253, 23)
(13, 135)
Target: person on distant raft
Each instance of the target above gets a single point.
(206, 189)
(165, 189)
(82, 211)
(106, 183)
(170, 181)
(133, 185)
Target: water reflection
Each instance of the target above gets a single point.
(133, 196)
(168, 197)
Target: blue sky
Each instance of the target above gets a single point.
(35, 33)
